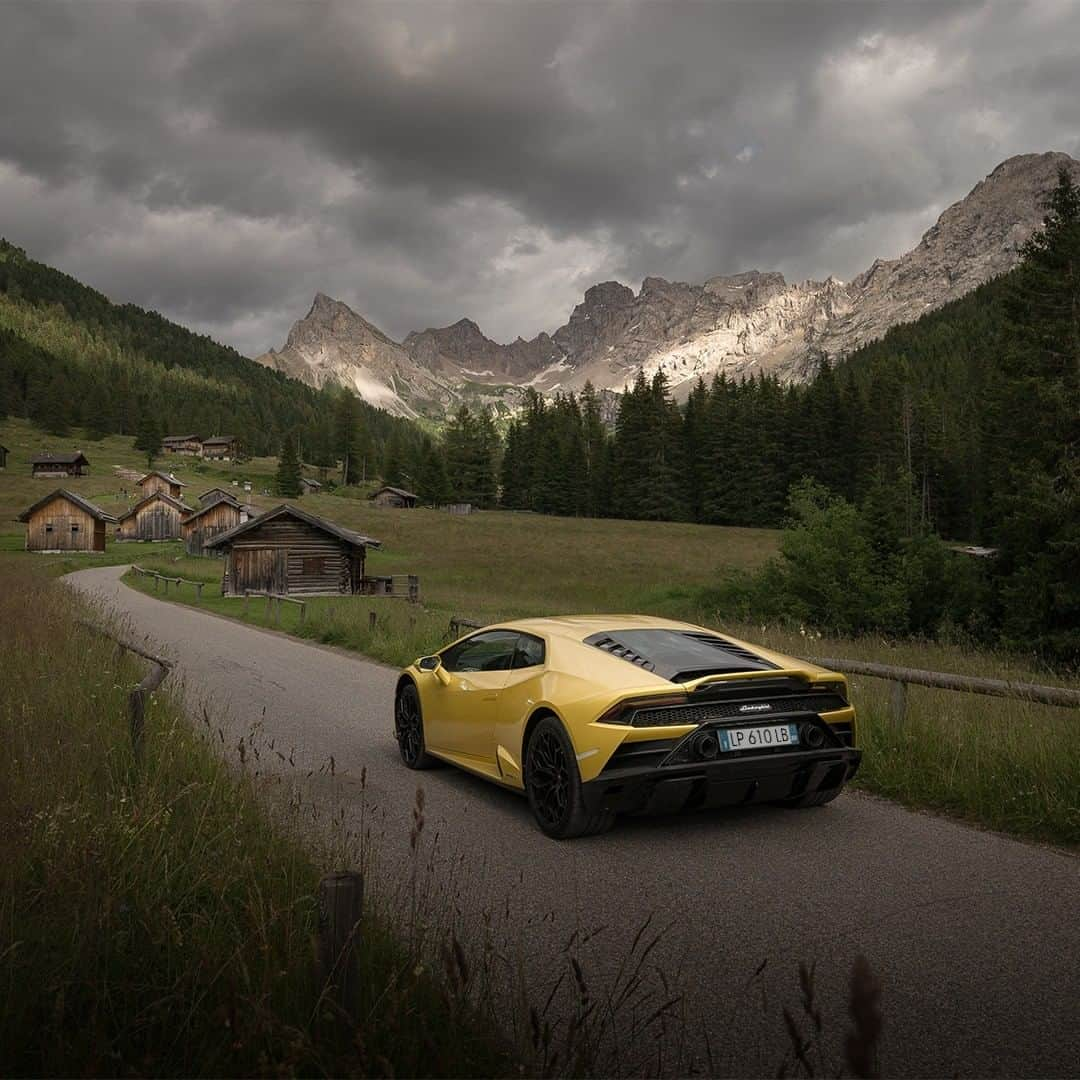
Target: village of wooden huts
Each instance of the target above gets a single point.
(287, 551)
(74, 463)
(64, 521)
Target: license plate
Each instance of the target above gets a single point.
(754, 738)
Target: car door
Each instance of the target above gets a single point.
(516, 700)
(478, 668)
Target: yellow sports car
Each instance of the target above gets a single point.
(591, 716)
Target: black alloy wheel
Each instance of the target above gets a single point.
(553, 785)
(409, 729)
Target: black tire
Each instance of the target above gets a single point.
(409, 729)
(553, 785)
(814, 798)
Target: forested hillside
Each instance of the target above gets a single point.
(69, 356)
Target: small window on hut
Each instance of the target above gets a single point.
(313, 567)
(74, 529)
(48, 526)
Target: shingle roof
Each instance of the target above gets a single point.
(181, 438)
(163, 495)
(396, 490)
(84, 504)
(214, 439)
(206, 509)
(60, 459)
(350, 537)
(164, 476)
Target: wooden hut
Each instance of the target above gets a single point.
(394, 496)
(161, 481)
(73, 464)
(214, 495)
(217, 517)
(309, 486)
(187, 445)
(3, 456)
(64, 521)
(157, 517)
(288, 551)
(221, 447)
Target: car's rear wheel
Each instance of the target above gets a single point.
(409, 729)
(553, 785)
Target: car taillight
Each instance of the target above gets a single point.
(838, 688)
(615, 714)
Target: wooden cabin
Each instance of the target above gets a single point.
(394, 496)
(216, 517)
(215, 494)
(73, 464)
(157, 517)
(288, 551)
(187, 445)
(161, 481)
(221, 447)
(3, 456)
(64, 521)
(309, 486)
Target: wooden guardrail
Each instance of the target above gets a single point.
(902, 677)
(273, 604)
(177, 581)
(159, 668)
(402, 586)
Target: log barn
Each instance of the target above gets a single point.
(288, 551)
(161, 481)
(73, 464)
(394, 496)
(214, 495)
(221, 447)
(157, 517)
(64, 521)
(217, 517)
(187, 445)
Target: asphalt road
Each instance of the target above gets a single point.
(975, 937)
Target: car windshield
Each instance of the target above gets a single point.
(492, 650)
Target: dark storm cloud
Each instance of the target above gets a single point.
(422, 161)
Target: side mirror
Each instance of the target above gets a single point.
(434, 664)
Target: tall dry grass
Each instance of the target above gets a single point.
(153, 918)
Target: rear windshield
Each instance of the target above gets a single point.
(679, 655)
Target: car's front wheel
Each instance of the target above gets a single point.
(409, 729)
(553, 785)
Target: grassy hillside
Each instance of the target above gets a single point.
(67, 352)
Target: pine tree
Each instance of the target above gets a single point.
(287, 478)
(148, 436)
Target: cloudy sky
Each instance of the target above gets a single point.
(223, 161)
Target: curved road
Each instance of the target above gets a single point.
(975, 937)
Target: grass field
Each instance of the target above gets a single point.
(154, 920)
(1005, 764)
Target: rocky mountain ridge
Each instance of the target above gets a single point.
(738, 324)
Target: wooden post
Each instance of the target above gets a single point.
(269, 601)
(247, 601)
(898, 706)
(303, 612)
(198, 592)
(157, 578)
(341, 905)
(277, 611)
(371, 621)
(414, 589)
(166, 580)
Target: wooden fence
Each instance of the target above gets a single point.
(177, 581)
(159, 668)
(902, 677)
(273, 605)
(402, 586)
